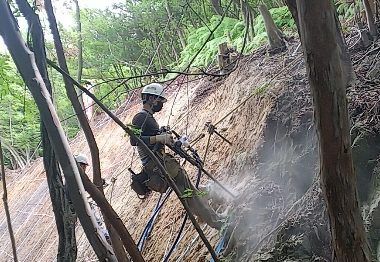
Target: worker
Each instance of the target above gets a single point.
(82, 161)
(83, 164)
(153, 99)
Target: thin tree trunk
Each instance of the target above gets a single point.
(370, 19)
(177, 29)
(65, 219)
(248, 15)
(80, 50)
(80, 43)
(275, 36)
(116, 242)
(181, 38)
(292, 6)
(6, 207)
(329, 68)
(26, 65)
(216, 7)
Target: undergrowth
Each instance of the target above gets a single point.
(231, 31)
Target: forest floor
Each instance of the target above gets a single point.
(270, 166)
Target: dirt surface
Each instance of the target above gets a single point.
(270, 166)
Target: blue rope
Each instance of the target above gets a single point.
(219, 246)
(175, 243)
(149, 226)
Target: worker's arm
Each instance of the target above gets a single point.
(139, 123)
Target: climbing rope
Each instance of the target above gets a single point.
(174, 245)
(149, 226)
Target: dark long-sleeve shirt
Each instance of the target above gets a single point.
(145, 121)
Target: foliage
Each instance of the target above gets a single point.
(19, 116)
(138, 37)
(346, 10)
(19, 125)
(187, 193)
(231, 31)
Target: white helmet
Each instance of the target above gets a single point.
(154, 89)
(82, 159)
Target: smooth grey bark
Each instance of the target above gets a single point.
(292, 6)
(216, 7)
(25, 62)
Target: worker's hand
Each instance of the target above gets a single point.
(164, 138)
(164, 129)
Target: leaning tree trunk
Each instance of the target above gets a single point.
(64, 218)
(275, 36)
(115, 239)
(26, 65)
(329, 68)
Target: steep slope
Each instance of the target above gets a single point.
(270, 166)
(210, 99)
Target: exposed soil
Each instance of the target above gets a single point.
(279, 214)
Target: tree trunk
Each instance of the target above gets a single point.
(370, 19)
(177, 29)
(292, 6)
(329, 68)
(80, 50)
(65, 219)
(26, 65)
(247, 15)
(116, 242)
(6, 207)
(216, 7)
(275, 36)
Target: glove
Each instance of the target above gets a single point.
(165, 139)
(164, 129)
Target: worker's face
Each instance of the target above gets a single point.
(157, 104)
(83, 166)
